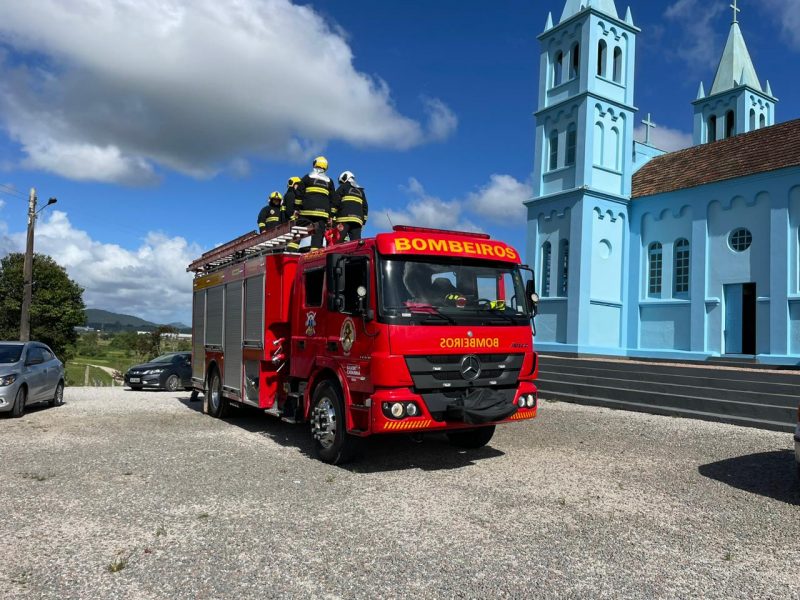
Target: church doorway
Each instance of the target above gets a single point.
(740, 318)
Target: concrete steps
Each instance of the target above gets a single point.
(757, 398)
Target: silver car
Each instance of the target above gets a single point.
(29, 373)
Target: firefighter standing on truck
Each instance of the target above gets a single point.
(292, 204)
(350, 206)
(316, 192)
(273, 214)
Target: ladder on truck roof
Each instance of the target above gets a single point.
(247, 246)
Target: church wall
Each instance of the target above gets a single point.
(607, 263)
(793, 295)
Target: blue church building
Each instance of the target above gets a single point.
(684, 255)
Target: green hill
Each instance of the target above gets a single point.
(105, 320)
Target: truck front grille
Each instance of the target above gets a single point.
(438, 373)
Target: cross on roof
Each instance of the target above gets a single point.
(648, 123)
(736, 10)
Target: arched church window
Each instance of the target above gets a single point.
(558, 68)
(618, 64)
(752, 119)
(681, 266)
(712, 128)
(546, 250)
(563, 263)
(575, 64)
(599, 143)
(616, 148)
(730, 124)
(572, 144)
(602, 52)
(655, 268)
(763, 121)
(553, 150)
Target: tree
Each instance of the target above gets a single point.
(57, 302)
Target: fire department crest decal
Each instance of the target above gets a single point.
(311, 323)
(348, 335)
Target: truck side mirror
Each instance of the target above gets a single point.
(336, 282)
(531, 297)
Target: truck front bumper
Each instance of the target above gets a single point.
(383, 421)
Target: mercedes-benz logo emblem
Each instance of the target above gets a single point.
(470, 368)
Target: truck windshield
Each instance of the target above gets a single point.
(451, 291)
(10, 353)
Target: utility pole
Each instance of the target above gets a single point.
(27, 273)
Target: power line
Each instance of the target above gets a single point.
(10, 190)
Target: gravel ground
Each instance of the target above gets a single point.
(122, 494)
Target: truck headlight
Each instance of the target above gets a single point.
(521, 401)
(398, 410)
(531, 401)
(7, 379)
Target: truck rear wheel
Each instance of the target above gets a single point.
(473, 438)
(217, 404)
(332, 443)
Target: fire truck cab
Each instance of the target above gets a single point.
(413, 331)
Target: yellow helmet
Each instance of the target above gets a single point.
(293, 180)
(321, 163)
(275, 196)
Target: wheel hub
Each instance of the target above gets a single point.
(323, 423)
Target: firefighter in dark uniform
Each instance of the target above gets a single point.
(273, 214)
(292, 204)
(316, 192)
(350, 207)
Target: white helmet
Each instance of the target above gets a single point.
(346, 176)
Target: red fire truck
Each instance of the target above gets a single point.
(413, 331)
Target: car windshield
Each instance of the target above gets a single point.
(452, 291)
(164, 358)
(10, 353)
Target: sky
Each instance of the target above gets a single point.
(162, 125)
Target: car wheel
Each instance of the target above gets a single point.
(172, 383)
(217, 405)
(332, 443)
(474, 438)
(19, 403)
(58, 397)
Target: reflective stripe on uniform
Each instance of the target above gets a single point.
(317, 190)
(353, 199)
(273, 219)
(261, 224)
(313, 213)
(350, 219)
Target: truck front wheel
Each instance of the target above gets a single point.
(332, 443)
(217, 404)
(474, 438)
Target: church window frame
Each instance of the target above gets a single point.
(563, 268)
(730, 124)
(752, 119)
(553, 153)
(617, 65)
(616, 142)
(740, 239)
(546, 260)
(572, 145)
(602, 56)
(558, 68)
(575, 61)
(681, 266)
(655, 268)
(762, 121)
(712, 129)
(599, 144)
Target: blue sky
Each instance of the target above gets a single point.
(162, 131)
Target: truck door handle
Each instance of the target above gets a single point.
(332, 346)
(301, 345)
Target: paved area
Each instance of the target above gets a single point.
(122, 494)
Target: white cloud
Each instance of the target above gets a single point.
(499, 202)
(699, 45)
(150, 281)
(118, 89)
(786, 13)
(665, 138)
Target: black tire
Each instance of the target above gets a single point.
(19, 402)
(58, 396)
(195, 396)
(332, 443)
(216, 404)
(472, 438)
(172, 383)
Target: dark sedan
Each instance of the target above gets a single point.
(169, 372)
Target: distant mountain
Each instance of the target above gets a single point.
(105, 320)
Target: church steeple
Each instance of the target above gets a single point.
(573, 7)
(737, 103)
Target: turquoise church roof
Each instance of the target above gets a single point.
(575, 6)
(736, 67)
